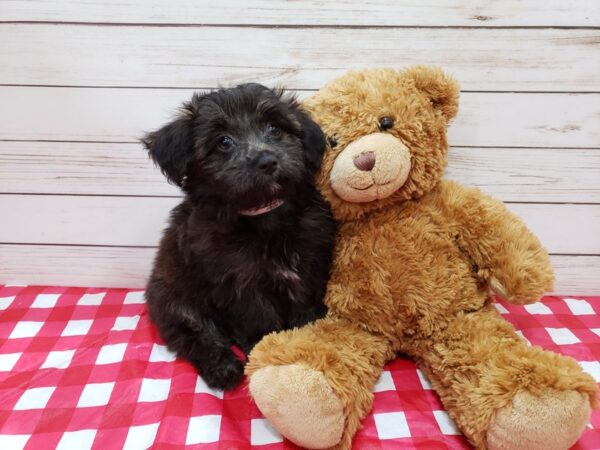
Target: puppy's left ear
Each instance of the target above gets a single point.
(172, 146)
(313, 140)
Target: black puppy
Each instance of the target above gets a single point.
(249, 249)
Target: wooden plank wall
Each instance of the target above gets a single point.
(80, 204)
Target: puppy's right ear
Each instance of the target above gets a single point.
(172, 147)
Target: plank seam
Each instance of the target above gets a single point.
(204, 88)
(22, 244)
(59, 141)
(49, 194)
(296, 26)
(135, 142)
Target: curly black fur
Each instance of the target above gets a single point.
(223, 278)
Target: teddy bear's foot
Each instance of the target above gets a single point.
(552, 421)
(300, 403)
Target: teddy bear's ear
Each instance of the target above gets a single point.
(441, 89)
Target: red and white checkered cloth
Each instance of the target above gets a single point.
(83, 368)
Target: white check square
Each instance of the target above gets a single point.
(8, 361)
(58, 359)
(538, 308)
(13, 441)
(91, 299)
(579, 307)
(203, 430)
(562, 336)
(592, 368)
(203, 388)
(522, 336)
(126, 323)
(385, 382)
(134, 297)
(80, 440)
(154, 390)
(25, 329)
(112, 353)
(141, 436)
(77, 327)
(501, 309)
(160, 353)
(45, 301)
(34, 398)
(5, 302)
(95, 394)
(391, 425)
(263, 433)
(423, 379)
(445, 422)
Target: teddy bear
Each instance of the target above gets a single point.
(416, 260)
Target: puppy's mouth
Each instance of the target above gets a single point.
(262, 209)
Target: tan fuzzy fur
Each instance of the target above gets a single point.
(412, 274)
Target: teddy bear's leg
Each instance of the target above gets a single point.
(315, 383)
(502, 393)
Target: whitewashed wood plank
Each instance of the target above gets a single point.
(85, 114)
(529, 174)
(84, 220)
(562, 228)
(75, 266)
(130, 267)
(527, 120)
(483, 59)
(139, 221)
(576, 275)
(122, 115)
(341, 12)
(80, 168)
(511, 174)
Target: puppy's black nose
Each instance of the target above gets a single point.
(267, 163)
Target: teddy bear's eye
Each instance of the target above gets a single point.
(385, 123)
(332, 141)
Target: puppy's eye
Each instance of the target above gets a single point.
(225, 143)
(332, 141)
(385, 123)
(273, 130)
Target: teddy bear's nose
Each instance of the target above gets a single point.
(365, 161)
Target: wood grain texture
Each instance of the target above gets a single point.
(520, 143)
(75, 266)
(510, 174)
(122, 115)
(341, 12)
(139, 221)
(80, 168)
(529, 174)
(578, 275)
(130, 267)
(483, 59)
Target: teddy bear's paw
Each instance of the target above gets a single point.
(300, 403)
(552, 421)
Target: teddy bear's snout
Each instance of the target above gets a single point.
(365, 161)
(372, 167)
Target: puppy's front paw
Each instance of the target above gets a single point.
(225, 374)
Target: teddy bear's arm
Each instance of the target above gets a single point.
(507, 255)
